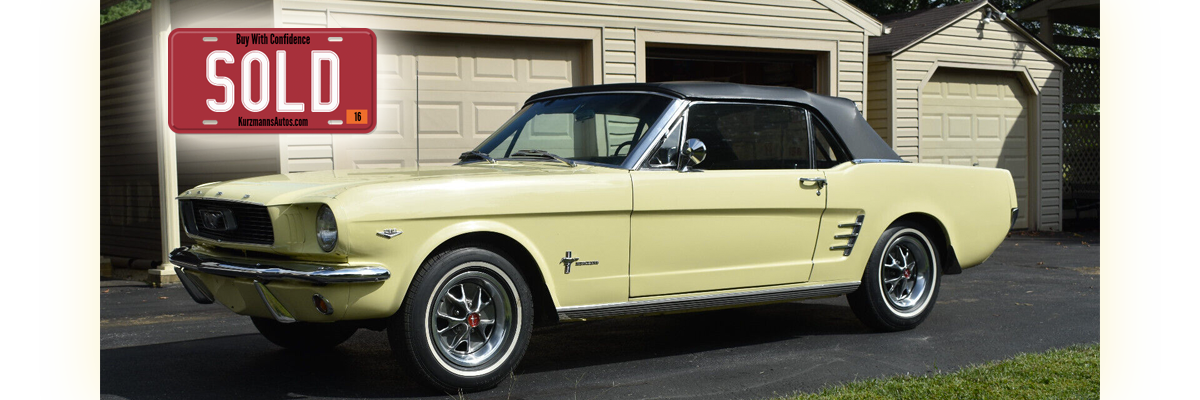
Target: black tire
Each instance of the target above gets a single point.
(448, 291)
(880, 301)
(304, 336)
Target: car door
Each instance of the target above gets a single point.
(747, 216)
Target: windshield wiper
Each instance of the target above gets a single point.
(476, 154)
(543, 154)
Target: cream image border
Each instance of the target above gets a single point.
(69, 193)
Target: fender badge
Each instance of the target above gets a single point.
(568, 260)
(389, 233)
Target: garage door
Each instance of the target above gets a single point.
(439, 96)
(971, 117)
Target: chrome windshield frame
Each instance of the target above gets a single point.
(640, 150)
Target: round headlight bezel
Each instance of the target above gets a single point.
(327, 233)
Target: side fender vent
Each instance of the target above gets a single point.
(850, 237)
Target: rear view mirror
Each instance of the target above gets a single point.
(584, 114)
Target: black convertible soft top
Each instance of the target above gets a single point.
(847, 122)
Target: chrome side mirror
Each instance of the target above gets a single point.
(693, 153)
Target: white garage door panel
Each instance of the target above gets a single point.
(978, 118)
(453, 90)
(452, 122)
(392, 143)
(469, 87)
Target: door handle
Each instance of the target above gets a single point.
(819, 181)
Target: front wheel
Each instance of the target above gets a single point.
(465, 322)
(900, 283)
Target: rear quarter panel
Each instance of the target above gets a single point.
(972, 204)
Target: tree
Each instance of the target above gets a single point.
(881, 8)
(123, 9)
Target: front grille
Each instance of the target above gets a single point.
(227, 221)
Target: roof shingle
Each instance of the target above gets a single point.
(912, 26)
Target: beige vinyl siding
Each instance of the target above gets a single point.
(129, 207)
(852, 71)
(800, 19)
(1000, 48)
(878, 112)
(620, 55)
(221, 13)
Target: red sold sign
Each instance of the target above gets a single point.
(271, 81)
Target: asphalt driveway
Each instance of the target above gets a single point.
(1035, 293)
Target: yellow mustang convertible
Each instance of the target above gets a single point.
(594, 202)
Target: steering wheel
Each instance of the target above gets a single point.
(618, 151)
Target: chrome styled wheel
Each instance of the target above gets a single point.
(470, 317)
(907, 273)
(900, 282)
(465, 322)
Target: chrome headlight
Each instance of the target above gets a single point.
(326, 228)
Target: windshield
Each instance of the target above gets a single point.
(596, 128)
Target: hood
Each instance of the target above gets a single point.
(313, 186)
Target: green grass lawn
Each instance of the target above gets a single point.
(1070, 373)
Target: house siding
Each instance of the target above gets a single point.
(879, 112)
(802, 19)
(620, 55)
(129, 200)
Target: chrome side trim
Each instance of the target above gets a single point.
(196, 289)
(876, 161)
(184, 259)
(704, 301)
(280, 313)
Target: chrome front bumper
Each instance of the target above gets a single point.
(186, 260)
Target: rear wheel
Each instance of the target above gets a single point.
(900, 283)
(305, 336)
(465, 322)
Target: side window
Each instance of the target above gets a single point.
(826, 153)
(750, 136)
